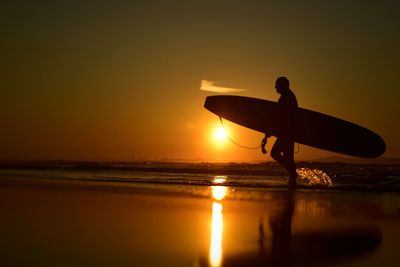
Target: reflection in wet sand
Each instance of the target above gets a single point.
(216, 235)
(281, 227)
(279, 245)
(308, 247)
(218, 193)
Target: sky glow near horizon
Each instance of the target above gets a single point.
(120, 80)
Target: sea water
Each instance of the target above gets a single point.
(329, 176)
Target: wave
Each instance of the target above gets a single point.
(323, 176)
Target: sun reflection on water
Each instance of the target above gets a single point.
(216, 235)
(218, 193)
(218, 179)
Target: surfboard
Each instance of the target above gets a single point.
(311, 128)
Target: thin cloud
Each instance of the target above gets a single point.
(210, 86)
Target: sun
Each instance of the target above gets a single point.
(220, 135)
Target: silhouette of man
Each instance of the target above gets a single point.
(283, 149)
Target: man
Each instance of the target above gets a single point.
(283, 149)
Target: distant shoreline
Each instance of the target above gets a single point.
(6, 163)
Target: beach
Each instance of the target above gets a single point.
(200, 133)
(61, 222)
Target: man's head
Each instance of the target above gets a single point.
(281, 84)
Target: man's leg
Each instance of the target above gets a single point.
(276, 152)
(288, 153)
(283, 153)
(291, 165)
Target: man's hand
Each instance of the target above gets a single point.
(263, 144)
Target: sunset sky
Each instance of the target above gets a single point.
(120, 80)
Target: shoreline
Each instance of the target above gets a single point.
(101, 223)
(127, 185)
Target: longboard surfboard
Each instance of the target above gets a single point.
(311, 128)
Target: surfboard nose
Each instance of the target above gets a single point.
(209, 103)
(216, 103)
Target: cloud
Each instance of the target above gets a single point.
(209, 86)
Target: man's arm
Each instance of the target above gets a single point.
(264, 143)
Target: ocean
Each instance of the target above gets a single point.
(312, 175)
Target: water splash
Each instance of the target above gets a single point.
(314, 177)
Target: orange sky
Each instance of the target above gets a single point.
(121, 81)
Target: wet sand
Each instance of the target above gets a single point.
(49, 223)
